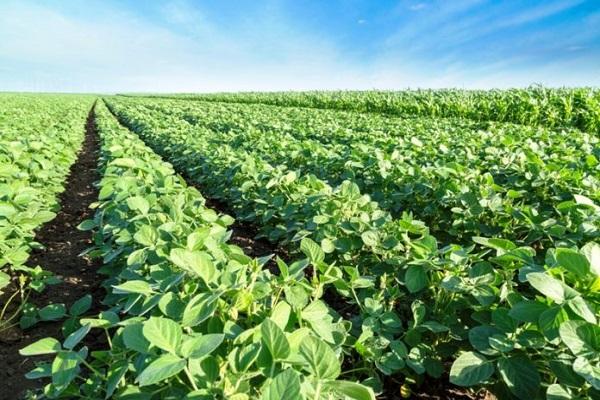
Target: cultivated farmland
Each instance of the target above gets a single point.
(315, 245)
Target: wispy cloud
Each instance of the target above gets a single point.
(180, 45)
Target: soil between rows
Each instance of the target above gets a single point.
(63, 243)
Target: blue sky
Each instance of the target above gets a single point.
(185, 45)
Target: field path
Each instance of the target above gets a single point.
(63, 243)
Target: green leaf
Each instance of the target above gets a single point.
(65, 368)
(286, 385)
(520, 375)
(133, 337)
(43, 346)
(581, 338)
(160, 369)
(4, 280)
(86, 225)
(350, 390)
(312, 250)
(547, 285)
(200, 308)
(322, 361)
(580, 307)
(123, 162)
(370, 238)
(81, 306)
(558, 392)
(275, 340)
(317, 315)
(41, 371)
(197, 262)
(137, 203)
(573, 261)
(470, 369)
(591, 251)
(140, 287)
(74, 338)
(281, 314)
(415, 278)
(550, 321)
(52, 312)
(163, 333)
(589, 372)
(116, 372)
(201, 346)
(146, 235)
(527, 311)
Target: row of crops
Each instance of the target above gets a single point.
(189, 316)
(39, 140)
(579, 108)
(491, 275)
(418, 250)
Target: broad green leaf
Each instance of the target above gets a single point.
(581, 337)
(146, 235)
(415, 278)
(198, 262)
(573, 261)
(116, 372)
(350, 390)
(133, 337)
(370, 238)
(201, 346)
(322, 361)
(470, 369)
(312, 250)
(527, 311)
(74, 338)
(87, 225)
(588, 371)
(4, 280)
(81, 306)
(558, 392)
(140, 287)
(171, 306)
(520, 375)
(160, 369)
(43, 346)
(551, 320)
(317, 315)
(592, 252)
(547, 285)
(41, 371)
(52, 312)
(163, 333)
(65, 367)
(580, 307)
(281, 314)
(138, 203)
(286, 385)
(275, 340)
(200, 308)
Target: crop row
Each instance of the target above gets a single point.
(519, 322)
(189, 316)
(518, 182)
(39, 140)
(579, 108)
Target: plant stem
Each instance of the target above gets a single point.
(191, 378)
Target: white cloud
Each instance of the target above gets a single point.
(43, 49)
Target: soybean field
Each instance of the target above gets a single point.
(429, 244)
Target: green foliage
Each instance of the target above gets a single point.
(39, 139)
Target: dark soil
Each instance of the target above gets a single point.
(63, 244)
